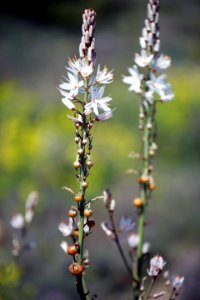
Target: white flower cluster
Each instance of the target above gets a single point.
(82, 86)
(79, 72)
(151, 85)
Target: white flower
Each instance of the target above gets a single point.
(161, 87)
(163, 62)
(81, 66)
(17, 221)
(177, 283)
(134, 80)
(64, 245)
(104, 76)
(98, 101)
(105, 116)
(157, 264)
(106, 229)
(66, 229)
(67, 101)
(144, 59)
(133, 240)
(73, 84)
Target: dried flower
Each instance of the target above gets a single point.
(108, 200)
(126, 224)
(66, 229)
(107, 229)
(177, 284)
(64, 246)
(157, 264)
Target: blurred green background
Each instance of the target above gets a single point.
(37, 148)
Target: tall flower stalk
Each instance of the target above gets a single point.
(152, 89)
(83, 94)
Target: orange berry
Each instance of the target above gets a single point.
(78, 197)
(87, 212)
(76, 232)
(138, 202)
(75, 269)
(143, 179)
(72, 249)
(152, 187)
(72, 213)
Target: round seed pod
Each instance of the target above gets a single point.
(78, 197)
(76, 139)
(75, 269)
(84, 141)
(76, 232)
(87, 212)
(80, 151)
(138, 202)
(72, 249)
(152, 187)
(90, 163)
(72, 213)
(76, 164)
(143, 179)
(85, 184)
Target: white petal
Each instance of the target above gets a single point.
(68, 103)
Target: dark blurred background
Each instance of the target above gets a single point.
(37, 149)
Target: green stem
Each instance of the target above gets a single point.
(141, 220)
(81, 284)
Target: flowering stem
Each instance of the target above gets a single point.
(81, 284)
(144, 197)
(116, 239)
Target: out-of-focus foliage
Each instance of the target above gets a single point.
(11, 286)
(36, 138)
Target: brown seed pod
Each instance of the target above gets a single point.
(72, 213)
(75, 269)
(78, 197)
(72, 249)
(138, 202)
(87, 212)
(76, 164)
